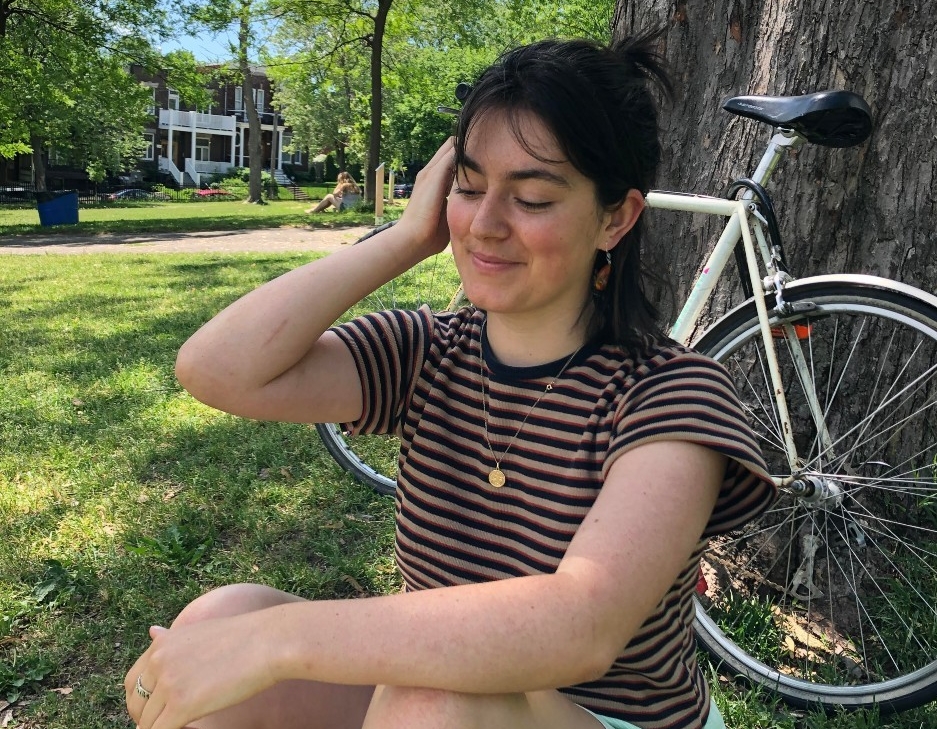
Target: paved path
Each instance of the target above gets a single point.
(268, 240)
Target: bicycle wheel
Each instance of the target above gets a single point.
(372, 459)
(830, 598)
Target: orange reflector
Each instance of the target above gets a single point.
(802, 331)
(701, 584)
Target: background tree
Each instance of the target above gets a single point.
(64, 84)
(870, 209)
(326, 50)
(322, 86)
(247, 19)
(352, 23)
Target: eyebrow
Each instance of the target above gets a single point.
(530, 173)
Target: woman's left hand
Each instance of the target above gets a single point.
(195, 670)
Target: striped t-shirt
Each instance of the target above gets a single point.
(421, 379)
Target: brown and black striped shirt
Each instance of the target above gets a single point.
(421, 379)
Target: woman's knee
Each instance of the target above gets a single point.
(230, 600)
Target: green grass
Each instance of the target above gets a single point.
(171, 217)
(121, 498)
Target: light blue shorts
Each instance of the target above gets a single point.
(714, 722)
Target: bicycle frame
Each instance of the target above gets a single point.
(743, 223)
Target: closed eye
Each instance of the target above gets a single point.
(533, 206)
(464, 192)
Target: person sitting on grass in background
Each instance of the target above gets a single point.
(339, 198)
(562, 466)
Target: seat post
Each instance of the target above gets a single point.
(781, 141)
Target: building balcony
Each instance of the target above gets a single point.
(193, 120)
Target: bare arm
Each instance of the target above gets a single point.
(265, 355)
(514, 635)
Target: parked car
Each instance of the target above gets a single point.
(403, 189)
(136, 193)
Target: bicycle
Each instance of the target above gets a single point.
(828, 599)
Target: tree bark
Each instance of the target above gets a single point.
(39, 163)
(256, 163)
(374, 141)
(868, 209)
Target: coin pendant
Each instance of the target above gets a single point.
(496, 478)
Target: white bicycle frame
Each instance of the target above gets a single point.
(743, 223)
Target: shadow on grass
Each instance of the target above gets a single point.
(198, 222)
(158, 302)
(122, 499)
(208, 501)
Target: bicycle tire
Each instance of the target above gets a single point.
(372, 459)
(852, 625)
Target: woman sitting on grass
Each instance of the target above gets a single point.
(345, 194)
(562, 463)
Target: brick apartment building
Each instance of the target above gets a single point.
(186, 145)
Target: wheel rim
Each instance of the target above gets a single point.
(835, 591)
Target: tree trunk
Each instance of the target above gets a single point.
(868, 209)
(374, 142)
(256, 162)
(340, 156)
(39, 164)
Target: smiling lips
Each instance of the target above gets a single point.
(487, 262)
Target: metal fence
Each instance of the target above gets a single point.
(24, 194)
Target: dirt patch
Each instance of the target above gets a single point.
(267, 240)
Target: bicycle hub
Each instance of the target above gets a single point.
(824, 492)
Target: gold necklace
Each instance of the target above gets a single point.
(496, 476)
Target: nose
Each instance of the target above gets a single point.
(490, 220)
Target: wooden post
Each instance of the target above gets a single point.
(379, 194)
(390, 186)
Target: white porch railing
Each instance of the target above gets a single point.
(192, 172)
(197, 121)
(167, 165)
(212, 167)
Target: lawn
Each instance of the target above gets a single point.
(169, 217)
(121, 498)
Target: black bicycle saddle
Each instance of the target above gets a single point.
(828, 118)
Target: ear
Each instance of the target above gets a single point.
(620, 219)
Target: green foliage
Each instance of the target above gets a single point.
(64, 85)
(22, 675)
(144, 497)
(176, 546)
(750, 622)
(322, 71)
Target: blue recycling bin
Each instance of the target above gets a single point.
(57, 208)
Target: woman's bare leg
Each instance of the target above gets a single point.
(291, 704)
(314, 705)
(394, 707)
(324, 203)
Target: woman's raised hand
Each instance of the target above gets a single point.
(424, 220)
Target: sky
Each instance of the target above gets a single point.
(206, 48)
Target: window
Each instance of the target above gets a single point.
(173, 99)
(258, 95)
(151, 107)
(202, 148)
(57, 158)
(148, 152)
(286, 157)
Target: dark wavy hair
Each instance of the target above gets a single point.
(600, 105)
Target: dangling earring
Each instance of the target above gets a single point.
(601, 276)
